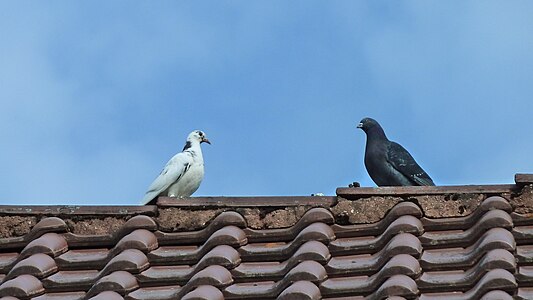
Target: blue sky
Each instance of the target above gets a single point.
(97, 96)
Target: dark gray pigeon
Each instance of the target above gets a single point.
(387, 162)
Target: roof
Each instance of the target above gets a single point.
(447, 242)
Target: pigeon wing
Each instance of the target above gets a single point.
(172, 172)
(402, 161)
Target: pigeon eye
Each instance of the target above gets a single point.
(200, 133)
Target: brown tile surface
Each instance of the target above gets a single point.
(486, 253)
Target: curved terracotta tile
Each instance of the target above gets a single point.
(280, 251)
(70, 281)
(500, 295)
(303, 290)
(204, 292)
(461, 258)
(111, 240)
(168, 292)
(312, 250)
(463, 223)
(314, 215)
(121, 282)
(397, 211)
(9, 298)
(213, 275)
(521, 219)
(497, 279)
(23, 286)
(83, 259)
(402, 264)
(140, 239)
(227, 218)
(46, 225)
(39, 265)
(49, 224)
(216, 276)
(308, 271)
(491, 219)
(222, 255)
(396, 286)
(229, 235)
(370, 244)
(61, 296)
(130, 260)
(100, 258)
(524, 293)
(523, 234)
(252, 290)
(140, 222)
(51, 244)
(262, 271)
(363, 264)
(7, 260)
(107, 295)
(524, 254)
(462, 281)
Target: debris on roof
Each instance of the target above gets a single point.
(457, 242)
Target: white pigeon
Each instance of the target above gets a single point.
(183, 173)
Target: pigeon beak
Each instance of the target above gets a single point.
(205, 140)
(360, 125)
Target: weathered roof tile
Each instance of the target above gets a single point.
(204, 292)
(70, 281)
(39, 265)
(462, 281)
(23, 286)
(497, 279)
(120, 282)
(459, 258)
(491, 219)
(51, 244)
(303, 290)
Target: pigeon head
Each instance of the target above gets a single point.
(372, 128)
(198, 136)
(367, 124)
